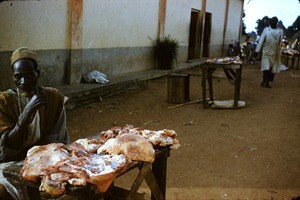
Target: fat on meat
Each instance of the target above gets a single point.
(41, 159)
(134, 147)
(56, 165)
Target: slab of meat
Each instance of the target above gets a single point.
(57, 165)
(40, 159)
(134, 147)
(156, 138)
(98, 160)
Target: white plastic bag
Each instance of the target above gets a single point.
(96, 76)
(226, 104)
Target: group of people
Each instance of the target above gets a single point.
(290, 50)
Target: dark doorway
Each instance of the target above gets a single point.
(192, 37)
(206, 36)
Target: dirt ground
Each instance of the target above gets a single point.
(248, 153)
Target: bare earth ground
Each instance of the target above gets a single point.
(248, 153)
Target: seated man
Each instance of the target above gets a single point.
(30, 114)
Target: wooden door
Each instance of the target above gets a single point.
(206, 36)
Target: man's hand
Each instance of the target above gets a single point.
(37, 100)
(19, 133)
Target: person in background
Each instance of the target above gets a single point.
(290, 50)
(270, 44)
(285, 45)
(295, 50)
(296, 44)
(29, 115)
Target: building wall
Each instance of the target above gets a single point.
(177, 25)
(233, 25)
(116, 35)
(217, 25)
(41, 26)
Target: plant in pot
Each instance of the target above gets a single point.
(165, 51)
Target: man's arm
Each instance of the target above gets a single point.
(12, 139)
(18, 134)
(261, 41)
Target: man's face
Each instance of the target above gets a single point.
(25, 75)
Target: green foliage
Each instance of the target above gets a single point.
(244, 25)
(165, 51)
(290, 32)
(261, 24)
(294, 28)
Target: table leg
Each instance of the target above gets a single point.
(139, 179)
(237, 87)
(159, 169)
(204, 88)
(33, 193)
(210, 85)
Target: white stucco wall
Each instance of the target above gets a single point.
(115, 33)
(233, 24)
(120, 23)
(217, 8)
(45, 24)
(178, 16)
(35, 24)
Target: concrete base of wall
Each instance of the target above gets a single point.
(57, 69)
(86, 93)
(128, 76)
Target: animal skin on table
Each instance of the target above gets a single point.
(97, 160)
(57, 164)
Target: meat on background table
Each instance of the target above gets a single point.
(293, 55)
(233, 71)
(153, 173)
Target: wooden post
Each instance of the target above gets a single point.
(204, 76)
(76, 41)
(237, 86)
(161, 18)
(200, 28)
(178, 88)
(225, 25)
(210, 83)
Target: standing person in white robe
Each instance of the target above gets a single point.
(269, 42)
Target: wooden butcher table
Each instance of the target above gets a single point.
(153, 173)
(233, 71)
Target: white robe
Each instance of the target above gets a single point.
(269, 42)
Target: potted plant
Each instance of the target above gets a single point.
(165, 51)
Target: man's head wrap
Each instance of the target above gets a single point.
(22, 52)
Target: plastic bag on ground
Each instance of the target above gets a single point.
(226, 104)
(96, 76)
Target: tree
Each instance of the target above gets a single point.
(244, 25)
(261, 24)
(294, 28)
